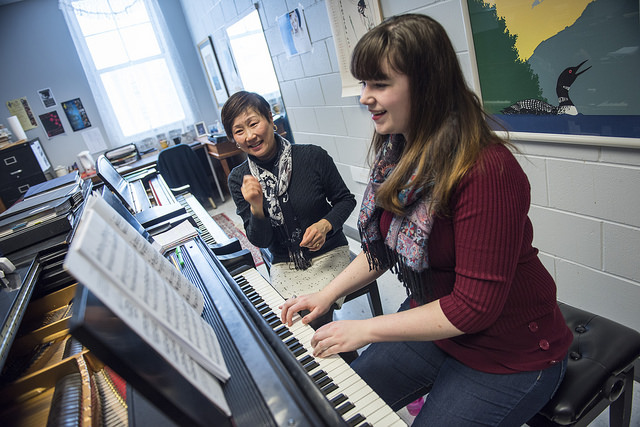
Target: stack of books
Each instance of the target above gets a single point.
(47, 210)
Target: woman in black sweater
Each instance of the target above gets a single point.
(291, 199)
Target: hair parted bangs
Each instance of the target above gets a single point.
(448, 127)
(240, 102)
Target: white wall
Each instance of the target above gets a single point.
(585, 199)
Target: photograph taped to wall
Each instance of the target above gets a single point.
(350, 20)
(76, 114)
(46, 96)
(565, 73)
(22, 110)
(52, 123)
(212, 69)
(293, 30)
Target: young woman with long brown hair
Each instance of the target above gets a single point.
(446, 209)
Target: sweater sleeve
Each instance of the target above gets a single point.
(258, 230)
(489, 212)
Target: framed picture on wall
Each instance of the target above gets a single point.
(561, 73)
(212, 69)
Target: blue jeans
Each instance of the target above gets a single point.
(401, 372)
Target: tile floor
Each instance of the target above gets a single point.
(392, 294)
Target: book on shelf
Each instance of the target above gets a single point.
(145, 290)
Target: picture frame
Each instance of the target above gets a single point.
(503, 81)
(212, 70)
(201, 129)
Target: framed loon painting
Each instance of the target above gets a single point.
(567, 71)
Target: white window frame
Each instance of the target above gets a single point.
(168, 53)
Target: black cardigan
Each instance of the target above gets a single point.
(316, 190)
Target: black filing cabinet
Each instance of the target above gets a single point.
(21, 166)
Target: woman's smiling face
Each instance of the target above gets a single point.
(388, 101)
(253, 133)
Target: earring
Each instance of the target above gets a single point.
(237, 145)
(275, 128)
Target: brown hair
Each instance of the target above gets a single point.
(448, 125)
(240, 102)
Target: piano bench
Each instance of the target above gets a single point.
(599, 373)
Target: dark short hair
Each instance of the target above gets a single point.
(240, 102)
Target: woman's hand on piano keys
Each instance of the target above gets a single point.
(315, 303)
(338, 337)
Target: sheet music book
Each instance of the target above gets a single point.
(146, 292)
(175, 236)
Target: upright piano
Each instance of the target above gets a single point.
(71, 361)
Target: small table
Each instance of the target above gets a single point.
(222, 150)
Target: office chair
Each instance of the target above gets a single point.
(180, 166)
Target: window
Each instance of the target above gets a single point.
(133, 75)
(249, 48)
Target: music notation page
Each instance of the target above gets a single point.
(113, 270)
(148, 251)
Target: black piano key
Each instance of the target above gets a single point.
(344, 408)
(291, 341)
(337, 400)
(256, 299)
(263, 308)
(323, 382)
(274, 323)
(299, 351)
(311, 366)
(356, 420)
(316, 376)
(271, 316)
(306, 359)
(295, 346)
(328, 388)
(283, 332)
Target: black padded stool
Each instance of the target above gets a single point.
(599, 373)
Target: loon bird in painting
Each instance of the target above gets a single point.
(565, 106)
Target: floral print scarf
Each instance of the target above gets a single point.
(404, 249)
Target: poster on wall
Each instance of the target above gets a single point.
(76, 114)
(52, 123)
(293, 30)
(567, 68)
(350, 20)
(46, 96)
(22, 110)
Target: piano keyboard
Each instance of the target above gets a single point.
(356, 402)
(210, 231)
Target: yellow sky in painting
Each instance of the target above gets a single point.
(536, 20)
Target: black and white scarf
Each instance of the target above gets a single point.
(274, 188)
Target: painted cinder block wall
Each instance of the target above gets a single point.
(585, 198)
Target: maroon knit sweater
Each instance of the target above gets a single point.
(487, 275)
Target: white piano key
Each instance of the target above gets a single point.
(366, 402)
